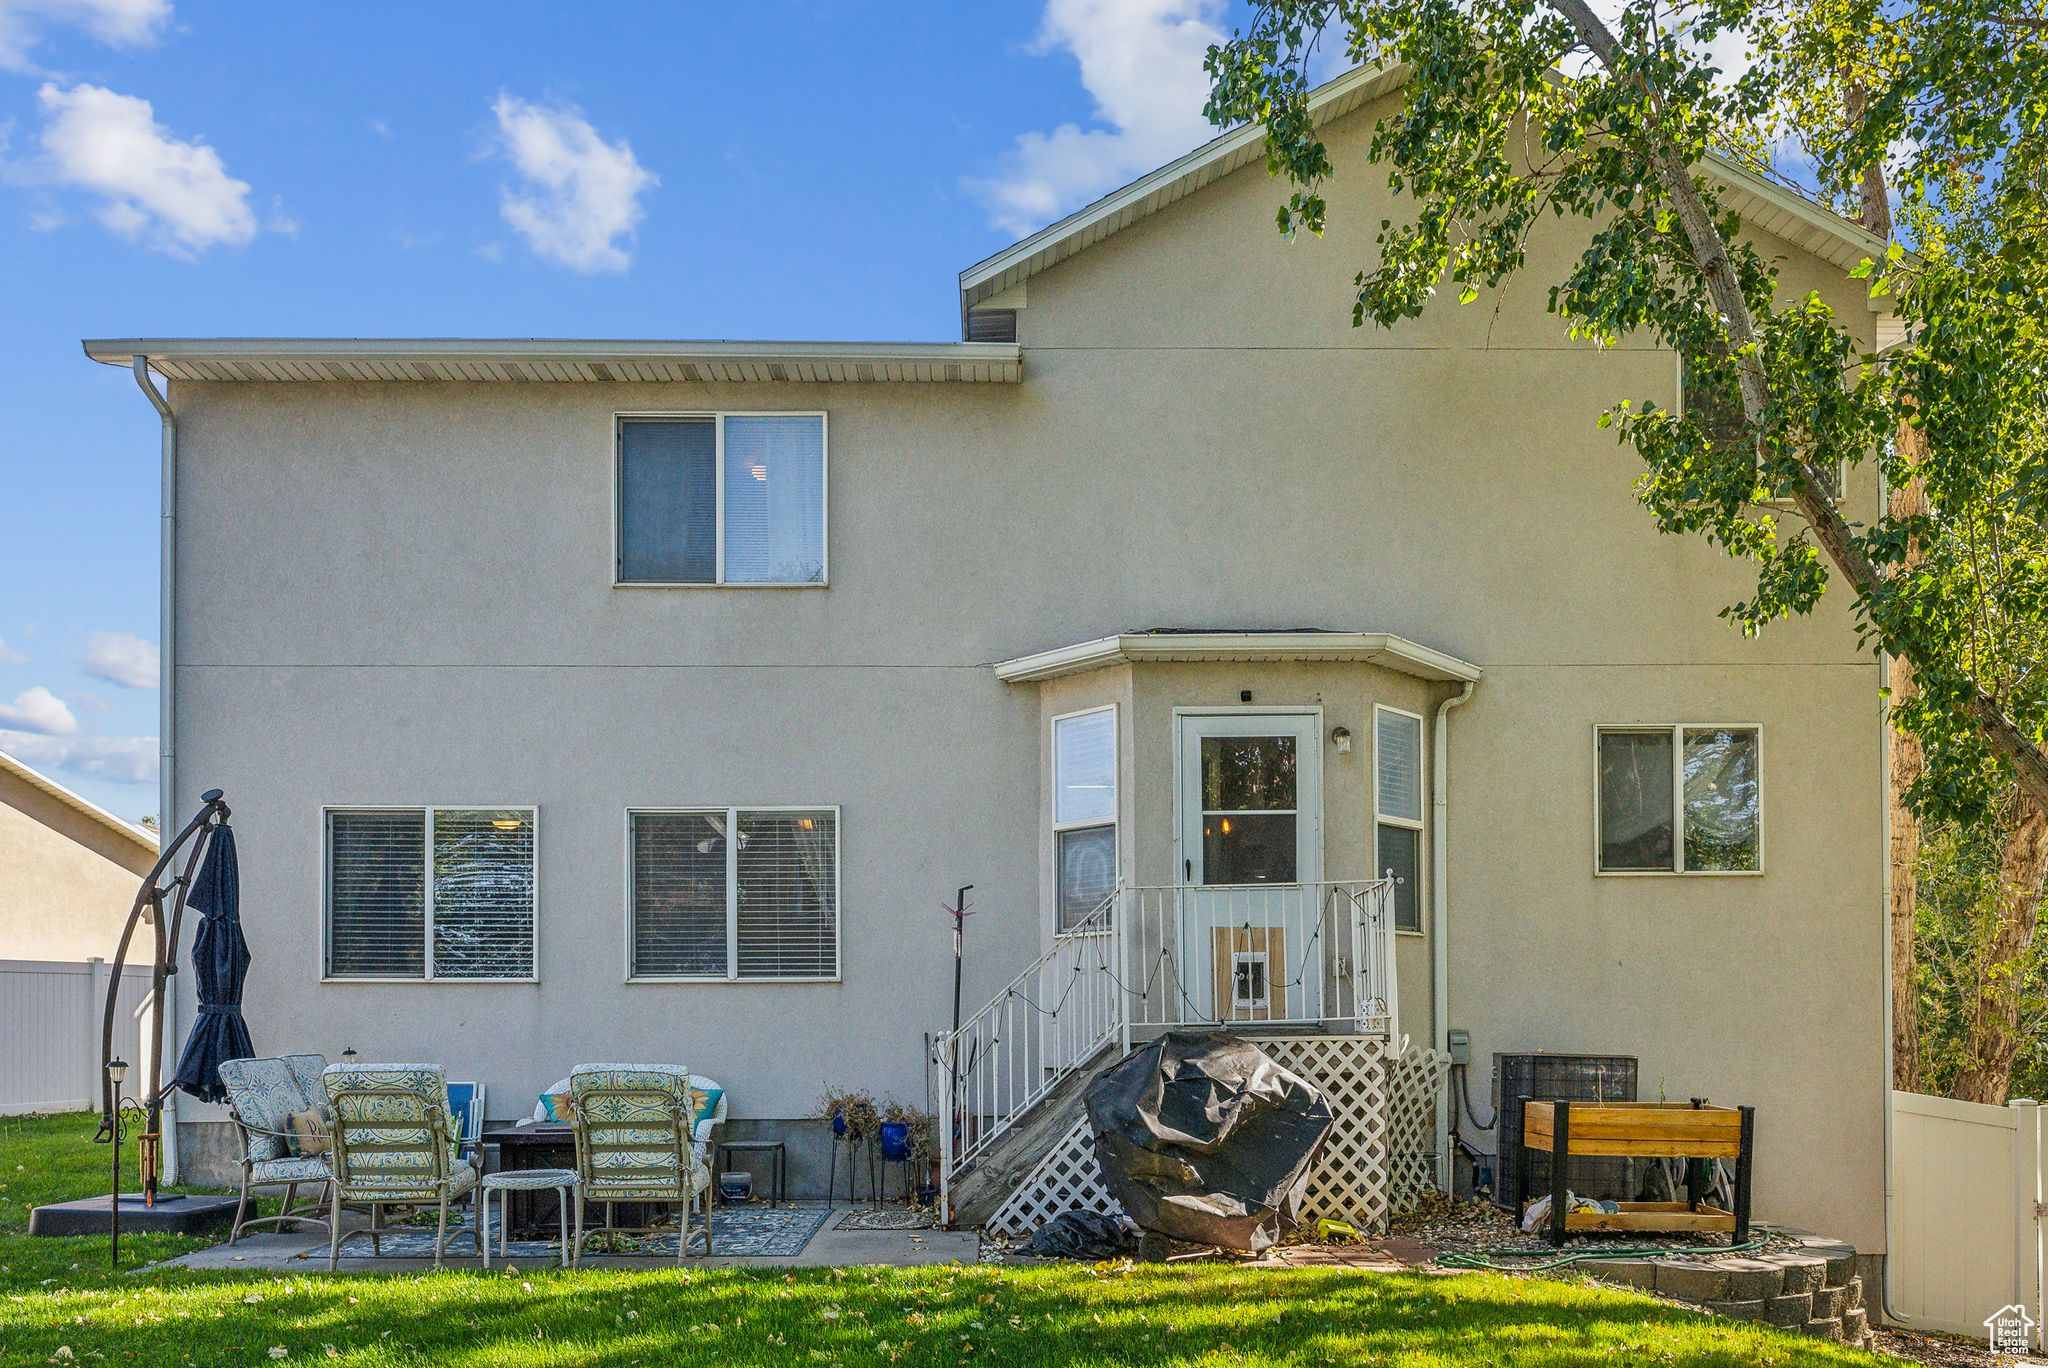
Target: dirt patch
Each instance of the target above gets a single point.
(1941, 1351)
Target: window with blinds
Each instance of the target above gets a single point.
(1083, 813)
(430, 893)
(727, 498)
(735, 893)
(1397, 810)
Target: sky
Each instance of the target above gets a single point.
(671, 169)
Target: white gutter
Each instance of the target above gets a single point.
(1439, 921)
(167, 713)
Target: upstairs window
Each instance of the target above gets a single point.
(1084, 812)
(726, 498)
(1680, 800)
(465, 913)
(1397, 809)
(1718, 415)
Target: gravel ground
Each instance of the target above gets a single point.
(1475, 1226)
(1941, 1351)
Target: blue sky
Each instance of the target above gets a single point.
(769, 170)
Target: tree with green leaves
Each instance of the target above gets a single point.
(1517, 111)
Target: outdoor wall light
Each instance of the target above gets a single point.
(1340, 737)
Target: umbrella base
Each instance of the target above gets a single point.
(177, 1213)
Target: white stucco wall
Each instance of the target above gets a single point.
(401, 594)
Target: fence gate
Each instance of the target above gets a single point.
(1965, 1247)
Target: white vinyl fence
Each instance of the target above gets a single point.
(50, 1020)
(1967, 1187)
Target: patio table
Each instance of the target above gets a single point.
(546, 1145)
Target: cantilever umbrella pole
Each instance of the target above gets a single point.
(151, 896)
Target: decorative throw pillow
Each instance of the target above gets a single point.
(309, 1132)
(707, 1103)
(560, 1106)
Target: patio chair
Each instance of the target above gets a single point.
(263, 1096)
(394, 1145)
(635, 1130)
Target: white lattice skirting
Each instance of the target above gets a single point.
(1371, 1155)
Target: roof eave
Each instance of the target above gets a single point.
(1371, 648)
(142, 837)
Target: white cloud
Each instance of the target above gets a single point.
(154, 188)
(119, 23)
(578, 197)
(121, 659)
(38, 710)
(1141, 60)
(9, 656)
(122, 759)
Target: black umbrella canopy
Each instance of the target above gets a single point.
(220, 961)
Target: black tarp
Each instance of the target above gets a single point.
(1205, 1138)
(220, 961)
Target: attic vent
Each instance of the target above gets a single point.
(991, 325)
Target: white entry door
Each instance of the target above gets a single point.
(1249, 837)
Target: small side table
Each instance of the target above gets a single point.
(778, 1154)
(562, 1181)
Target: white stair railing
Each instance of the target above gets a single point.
(1043, 1024)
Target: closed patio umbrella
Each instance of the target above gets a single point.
(220, 961)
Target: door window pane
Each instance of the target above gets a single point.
(1084, 767)
(668, 501)
(1248, 847)
(1636, 829)
(1400, 856)
(1248, 773)
(775, 499)
(679, 894)
(1722, 812)
(1087, 866)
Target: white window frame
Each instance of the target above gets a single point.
(718, 417)
(1678, 870)
(731, 813)
(427, 975)
(1419, 825)
(1116, 796)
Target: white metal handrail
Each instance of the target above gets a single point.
(1158, 957)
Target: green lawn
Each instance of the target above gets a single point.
(56, 1296)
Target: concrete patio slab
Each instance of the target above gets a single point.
(298, 1252)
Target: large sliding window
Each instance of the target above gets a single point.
(1680, 799)
(734, 893)
(721, 498)
(430, 893)
(1084, 812)
(1397, 810)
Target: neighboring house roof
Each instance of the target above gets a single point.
(540, 359)
(1376, 648)
(1761, 204)
(143, 839)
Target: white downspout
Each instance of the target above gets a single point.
(167, 712)
(1439, 921)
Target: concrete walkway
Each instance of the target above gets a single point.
(306, 1252)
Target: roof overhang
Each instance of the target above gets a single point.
(1137, 648)
(540, 360)
(1760, 204)
(141, 838)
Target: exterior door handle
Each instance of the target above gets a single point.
(1187, 871)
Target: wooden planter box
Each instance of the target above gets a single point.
(1644, 1130)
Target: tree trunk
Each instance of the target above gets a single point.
(1907, 764)
(1994, 1037)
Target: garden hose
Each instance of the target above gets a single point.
(1553, 1258)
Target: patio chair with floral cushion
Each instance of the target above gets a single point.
(280, 1112)
(394, 1145)
(635, 1126)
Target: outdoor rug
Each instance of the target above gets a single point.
(757, 1232)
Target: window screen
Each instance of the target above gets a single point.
(765, 908)
(1400, 850)
(668, 501)
(755, 515)
(466, 912)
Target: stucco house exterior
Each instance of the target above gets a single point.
(69, 869)
(588, 700)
